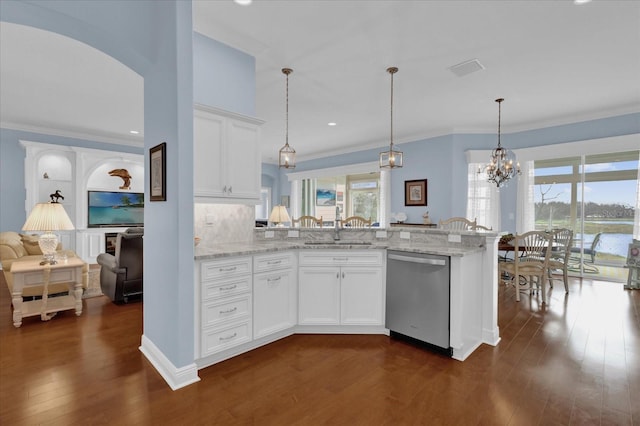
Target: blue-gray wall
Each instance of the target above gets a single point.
(156, 40)
(223, 77)
(442, 161)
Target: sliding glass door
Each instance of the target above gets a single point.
(596, 197)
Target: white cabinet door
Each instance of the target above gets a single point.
(361, 296)
(274, 304)
(227, 162)
(243, 160)
(208, 162)
(319, 296)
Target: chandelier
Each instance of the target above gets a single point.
(391, 159)
(287, 155)
(501, 167)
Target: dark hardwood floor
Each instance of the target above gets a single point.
(575, 361)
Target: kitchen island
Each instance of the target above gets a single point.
(290, 281)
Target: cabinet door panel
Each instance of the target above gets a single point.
(208, 159)
(362, 296)
(274, 307)
(243, 156)
(319, 296)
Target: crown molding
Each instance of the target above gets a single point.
(105, 137)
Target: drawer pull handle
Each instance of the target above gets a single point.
(341, 258)
(274, 262)
(225, 338)
(343, 275)
(233, 268)
(229, 311)
(231, 287)
(270, 280)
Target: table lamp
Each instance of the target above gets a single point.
(279, 215)
(48, 217)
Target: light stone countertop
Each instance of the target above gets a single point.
(215, 251)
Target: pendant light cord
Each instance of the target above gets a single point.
(286, 137)
(391, 70)
(287, 71)
(499, 101)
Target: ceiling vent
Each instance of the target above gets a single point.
(467, 67)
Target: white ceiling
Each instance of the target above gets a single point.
(554, 62)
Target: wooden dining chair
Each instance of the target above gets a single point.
(307, 222)
(356, 222)
(530, 263)
(562, 239)
(482, 228)
(458, 224)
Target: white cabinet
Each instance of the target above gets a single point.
(341, 287)
(226, 304)
(227, 163)
(274, 293)
(361, 291)
(319, 300)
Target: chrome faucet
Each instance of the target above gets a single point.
(336, 236)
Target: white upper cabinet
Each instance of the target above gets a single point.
(227, 163)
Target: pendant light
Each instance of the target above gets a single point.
(501, 167)
(287, 155)
(391, 159)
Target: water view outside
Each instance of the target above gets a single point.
(608, 183)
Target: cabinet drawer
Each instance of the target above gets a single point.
(225, 310)
(225, 268)
(221, 338)
(341, 257)
(271, 262)
(229, 287)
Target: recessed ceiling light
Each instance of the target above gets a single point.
(581, 1)
(134, 132)
(332, 124)
(243, 2)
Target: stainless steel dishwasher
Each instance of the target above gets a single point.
(418, 298)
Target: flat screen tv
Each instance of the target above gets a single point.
(108, 208)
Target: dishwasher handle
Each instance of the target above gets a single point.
(417, 259)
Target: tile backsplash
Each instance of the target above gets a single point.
(228, 223)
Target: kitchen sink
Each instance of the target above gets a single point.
(339, 243)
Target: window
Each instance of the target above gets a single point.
(358, 189)
(347, 195)
(595, 196)
(263, 209)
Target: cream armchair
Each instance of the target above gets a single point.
(15, 247)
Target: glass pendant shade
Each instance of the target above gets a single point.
(391, 159)
(502, 165)
(287, 155)
(48, 217)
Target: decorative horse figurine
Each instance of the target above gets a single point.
(55, 197)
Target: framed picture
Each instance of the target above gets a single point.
(415, 192)
(284, 200)
(158, 172)
(325, 197)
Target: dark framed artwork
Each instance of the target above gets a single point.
(415, 192)
(158, 172)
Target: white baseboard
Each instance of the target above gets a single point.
(175, 377)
